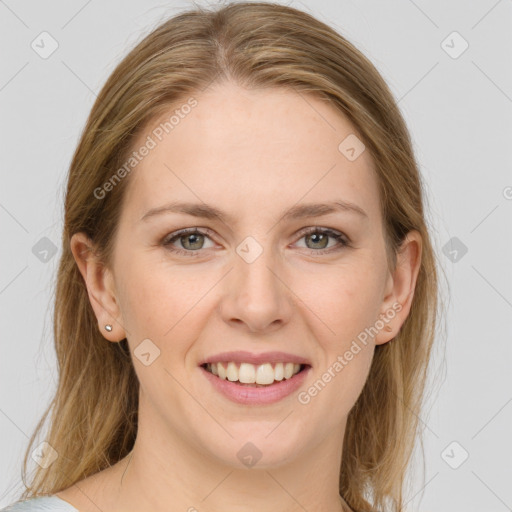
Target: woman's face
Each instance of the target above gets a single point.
(262, 279)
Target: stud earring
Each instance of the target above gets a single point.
(108, 328)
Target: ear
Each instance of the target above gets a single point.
(100, 286)
(400, 287)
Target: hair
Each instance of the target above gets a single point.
(94, 412)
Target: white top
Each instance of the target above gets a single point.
(41, 504)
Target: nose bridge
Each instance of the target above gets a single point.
(253, 268)
(256, 294)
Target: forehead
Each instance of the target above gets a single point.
(248, 150)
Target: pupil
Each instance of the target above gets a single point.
(319, 235)
(192, 236)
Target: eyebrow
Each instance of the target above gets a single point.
(207, 211)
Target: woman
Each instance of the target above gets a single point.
(247, 295)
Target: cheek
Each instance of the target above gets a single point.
(162, 303)
(344, 313)
(345, 300)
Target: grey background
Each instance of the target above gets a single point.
(459, 113)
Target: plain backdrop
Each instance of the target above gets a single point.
(448, 66)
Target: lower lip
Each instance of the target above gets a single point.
(257, 396)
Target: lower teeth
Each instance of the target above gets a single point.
(253, 385)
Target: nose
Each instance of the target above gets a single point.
(256, 296)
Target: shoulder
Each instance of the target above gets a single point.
(40, 504)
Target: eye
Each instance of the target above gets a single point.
(192, 240)
(318, 238)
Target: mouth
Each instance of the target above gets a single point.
(255, 375)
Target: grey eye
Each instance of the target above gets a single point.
(192, 241)
(319, 240)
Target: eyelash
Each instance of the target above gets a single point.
(339, 237)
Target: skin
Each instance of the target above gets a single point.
(252, 154)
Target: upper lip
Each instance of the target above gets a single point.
(241, 356)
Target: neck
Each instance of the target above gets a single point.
(167, 474)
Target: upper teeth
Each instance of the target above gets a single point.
(248, 373)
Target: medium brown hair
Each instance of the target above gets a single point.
(93, 421)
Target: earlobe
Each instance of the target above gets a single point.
(100, 287)
(401, 285)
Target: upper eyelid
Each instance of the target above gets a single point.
(187, 231)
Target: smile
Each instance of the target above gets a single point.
(254, 375)
(267, 382)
